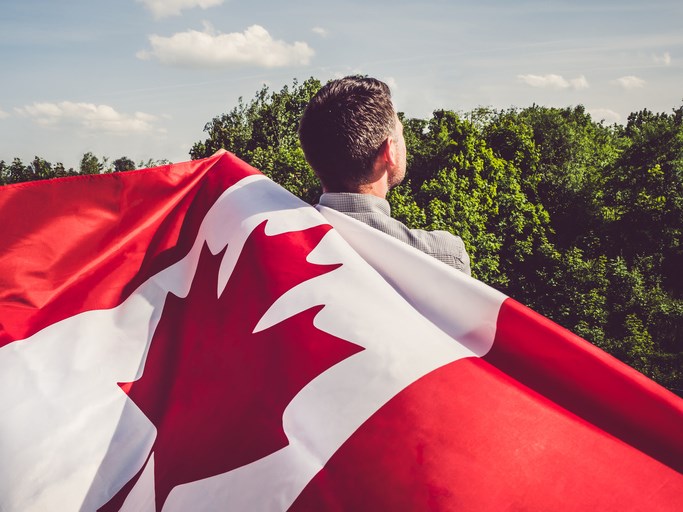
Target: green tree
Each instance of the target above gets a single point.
(90, 164)
(123, 164)
(16, 172)
(461, 186)
(41, 169)
(38, 169)
(644, 195)
(562, 155)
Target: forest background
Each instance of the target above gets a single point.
(579, 220)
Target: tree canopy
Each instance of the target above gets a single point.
(40, 169)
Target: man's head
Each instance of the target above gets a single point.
(350, 132)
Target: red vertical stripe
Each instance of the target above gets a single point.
(589, 382)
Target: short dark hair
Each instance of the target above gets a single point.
(343, 128)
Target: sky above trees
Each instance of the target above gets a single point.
(141, 78)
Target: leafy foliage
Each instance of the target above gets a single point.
(40, 169)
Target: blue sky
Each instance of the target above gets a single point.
(141, 78)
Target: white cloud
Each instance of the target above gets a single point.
(629, 82)
(579, 83)
(101, 118)
(320, 31)
(163, 8)
(254, 46)
(3, 114)
(664, 59)
(554, 81)
(604, 114)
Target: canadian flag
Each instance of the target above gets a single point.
(194, 337)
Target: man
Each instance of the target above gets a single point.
(353, 140)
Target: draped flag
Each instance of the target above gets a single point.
(194, 337)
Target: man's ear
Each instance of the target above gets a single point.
(388, 153)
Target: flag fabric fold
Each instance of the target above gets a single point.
(194, 337)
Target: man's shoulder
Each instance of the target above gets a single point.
(376, 212)
(444, 246)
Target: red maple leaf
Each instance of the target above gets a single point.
(216, 392)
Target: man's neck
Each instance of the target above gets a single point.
(379, 188)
